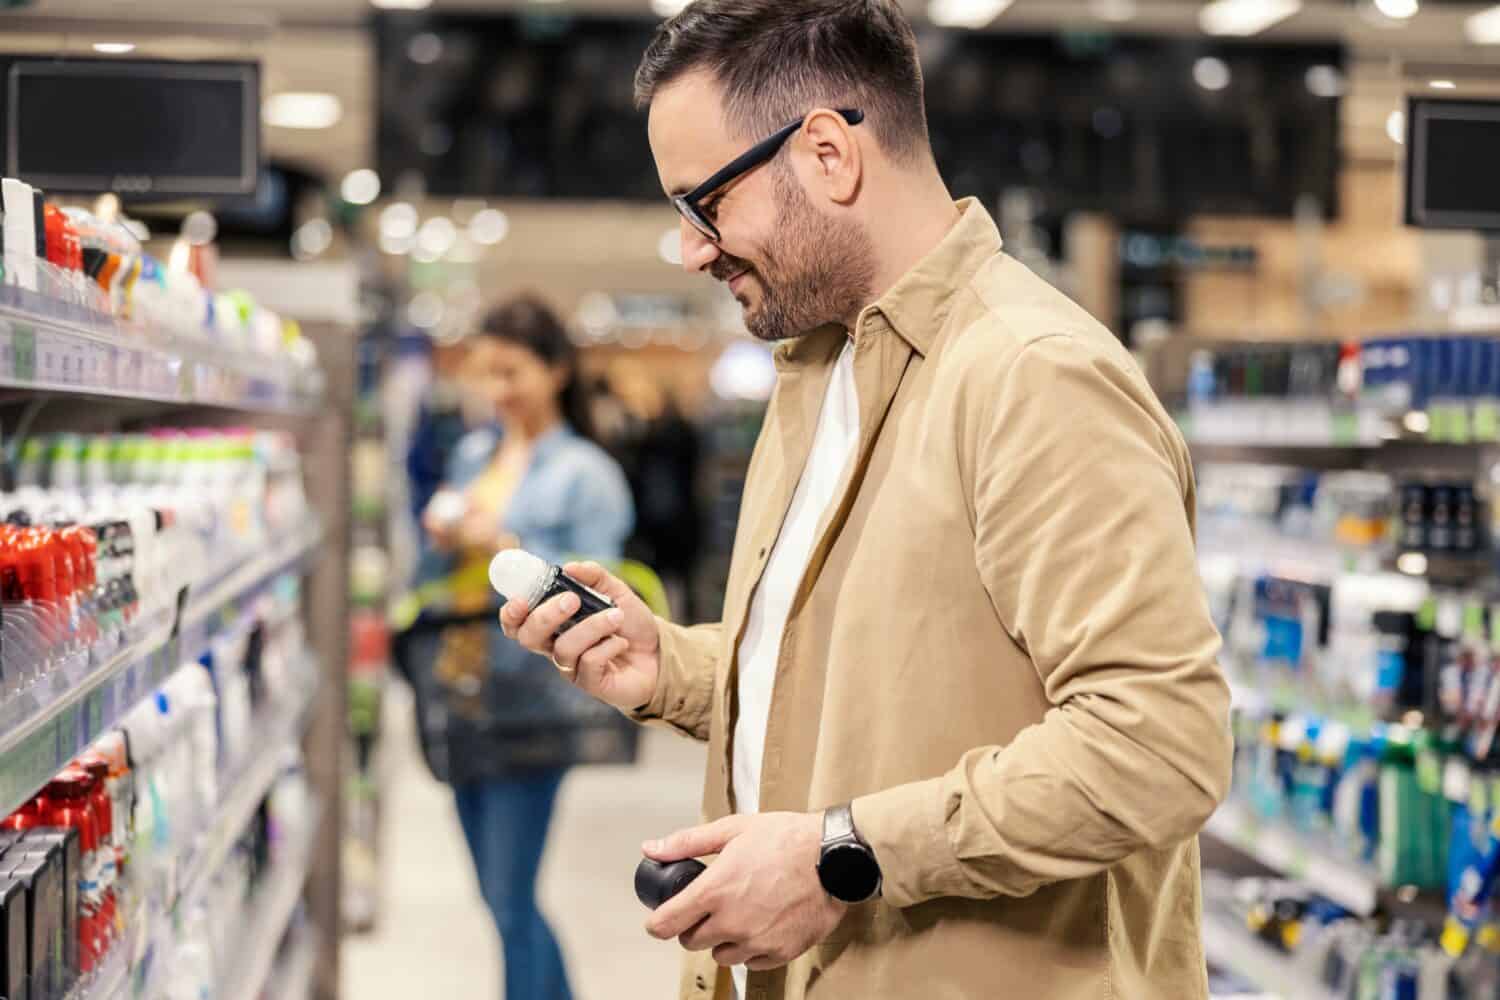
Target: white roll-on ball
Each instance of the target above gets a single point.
(516, 573)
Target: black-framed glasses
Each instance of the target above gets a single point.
(689, 205)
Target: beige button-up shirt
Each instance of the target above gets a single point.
(999, 652)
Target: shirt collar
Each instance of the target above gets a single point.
(916, 305)
(543, 447)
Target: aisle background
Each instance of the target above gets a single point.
(434, 938)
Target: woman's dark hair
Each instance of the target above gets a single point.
(528, 321)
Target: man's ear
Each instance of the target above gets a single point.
(832, 154)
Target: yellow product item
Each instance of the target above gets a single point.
(1455, 939)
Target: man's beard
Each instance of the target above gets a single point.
(818, 271)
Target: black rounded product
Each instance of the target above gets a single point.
(655, 883)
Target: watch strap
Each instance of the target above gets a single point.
(838, 824)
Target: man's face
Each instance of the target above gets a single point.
(792, 266)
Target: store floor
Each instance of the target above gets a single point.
(434, 938)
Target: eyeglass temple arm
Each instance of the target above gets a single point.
(760, 153)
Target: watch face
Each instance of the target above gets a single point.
(849, 873)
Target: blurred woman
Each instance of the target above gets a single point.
(511, 726)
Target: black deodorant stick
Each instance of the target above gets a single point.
(519, 574)
(655, 883)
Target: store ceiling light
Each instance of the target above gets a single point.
(1395, 127)
(966, 13)
(401, 4)
(200, 228)
(668, 8)
(669, 247)
(1325, 81)
(396, 246)
(360, 187)
(114, 48)
(1483, 28)
(1211, 73)
(1114, 11)
(302, 110)
(437, 236)
(489, 227)
(312, 239)
(425, 49)
(1398, 10)
(1245, 17)
(398, 221)
(1443, 85)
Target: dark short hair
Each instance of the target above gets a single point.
(776, 60)
(528, 321)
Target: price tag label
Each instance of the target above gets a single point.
(1344, 430)
(95, 714)
(1486, 421)
(23, 353)
(51, 360)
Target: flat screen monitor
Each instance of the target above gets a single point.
(134, 127)
(1453, 164)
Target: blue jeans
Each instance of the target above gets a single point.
(505, 822)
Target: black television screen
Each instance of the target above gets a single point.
(133, 126)
(1453, 164)
(540, 106)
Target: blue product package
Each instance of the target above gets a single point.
(1462, 851)
(1419, 372)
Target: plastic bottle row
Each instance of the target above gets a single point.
(102, 851)
(103, 535)
(1350, 957)
(80, 268)
(1354, 511)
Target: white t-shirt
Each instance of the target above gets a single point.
(833, 446)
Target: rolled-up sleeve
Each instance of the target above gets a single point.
(684, 696)
(1084, 545)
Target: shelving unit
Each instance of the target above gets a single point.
(1231, 947)
(51, 727)
(47, 348)
(277, 740)
(271, 914)
(118, 376)
(1353, 885)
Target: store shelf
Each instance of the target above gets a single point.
(210, 603)
(50, 725)
(110, 980)
(269, 918)
(1355, 886)
(276, 741)
(1230, 946)
(51, 347)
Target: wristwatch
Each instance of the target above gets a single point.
(846, 864)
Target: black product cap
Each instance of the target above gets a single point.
(39, 200)
(1395, 622)
(94, 260)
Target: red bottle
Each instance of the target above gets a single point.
(97, 766)
(83, 547)
(70, 796)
